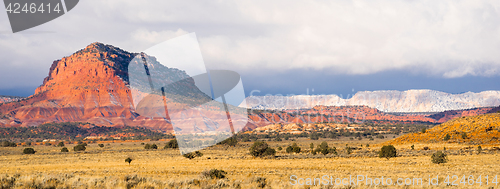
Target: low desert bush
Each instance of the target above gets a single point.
(8, 144)
(214, 174)
(128, 160)
(261, 182)
(439, 157)
(192, 155)
(150, 146)
(324, 149)
(172, 144)
(80, 147)
(64, 149)
(387, 152)
(29, 151)
(293, 148)
(447, 137)
(261, 149)
(231, 141)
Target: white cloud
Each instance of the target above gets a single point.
(445, 38)
(153, 37)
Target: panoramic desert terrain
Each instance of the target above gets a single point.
(86, 127)
(105, 167)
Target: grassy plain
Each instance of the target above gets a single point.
(106, 167)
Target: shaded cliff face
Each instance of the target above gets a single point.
(90, 85)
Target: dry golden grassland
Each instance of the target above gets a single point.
(106, 167)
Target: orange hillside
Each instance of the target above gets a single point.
(474, 130)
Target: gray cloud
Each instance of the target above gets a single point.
(447, 39)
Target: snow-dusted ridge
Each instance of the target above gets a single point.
(422, 100)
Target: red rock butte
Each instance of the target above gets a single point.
(89, 86)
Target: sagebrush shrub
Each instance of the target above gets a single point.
(172, 144)
(261, 182)
(192, 155)
(324, 149)
(79, 147)
(348, 150)
(214, 174)
(150, 146)
(293, 148)
(439, 157)
(8, 144)
(231, 141)
(447, 137)
(387, 152)
(260, 149)
(128, 160)
(64, 149)
(29, 151)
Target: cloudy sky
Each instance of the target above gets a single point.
(283, 46)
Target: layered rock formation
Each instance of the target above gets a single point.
(89, 85)
(386, 101)
(333, 114)
(92, 85)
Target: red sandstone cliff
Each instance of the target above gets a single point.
(90, 86)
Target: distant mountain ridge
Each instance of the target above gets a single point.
(4, 99)
(385, 100)
(355, 114)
